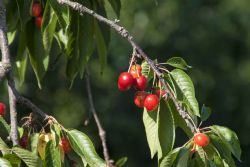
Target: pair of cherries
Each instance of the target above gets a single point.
(36, 11)
(135, 78)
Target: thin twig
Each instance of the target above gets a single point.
(125, 34)
(6, 60)
(101, 130)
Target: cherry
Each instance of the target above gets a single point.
(160, 93)
(151, 102)
(135, 70)
(2, 109)
(39, 21)
(125, 81)
(139, 98)
(140, 82)
(24, 141)
(36, 9)
(201, 139)
(65, 145)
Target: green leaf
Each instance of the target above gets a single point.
(205, 113)
(4, 163)
(182, 158)
(186, 86)
(38, 57)
(22, 57)
(4, 128)
(34, 140)
(146, 71)
(121, 162)
(61, 12)
(12, 158)
(30, 159)
(80, 44)
(4, 147)
(24, 10)
(169, 159)
(229, 138)
(83, 146)
(101, 46)
(116, 5)
(101, 35)
(48, 28)
(52, 155)
(11, 15)
(151, 128)
(220, 146)
(11, 36)
(202, 155)
(178, 120)
(166, 130)
(56, 131)
(178, 62)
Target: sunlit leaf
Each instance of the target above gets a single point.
(30, 159)
(178, 62)
(83, 146)
(186, 86)
(229, 138)
(52, 155)
(4, 163)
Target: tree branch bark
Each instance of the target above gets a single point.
(101, 130)
(6, 60)
(125, 34)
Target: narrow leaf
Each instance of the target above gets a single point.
(52, 155)
(166, 130)
(34, 140)
(38, 57)
(151, 128)
(121, 162)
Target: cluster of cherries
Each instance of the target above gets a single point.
(2, 109)
(142, 98)
(36, 11)
(64, 143)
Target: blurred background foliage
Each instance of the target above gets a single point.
(212, 35)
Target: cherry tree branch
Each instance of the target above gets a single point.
(6, 61)
(101, 130)
(125, 34)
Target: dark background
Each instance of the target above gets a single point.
(213, 36)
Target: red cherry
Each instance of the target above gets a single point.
(139, 98)
(135, 70)
(39, 21)
(201, 139)
(65, 145)
(24, 141)
(125, 81)
(160, 93)
(140, 82)
(2, 109)
(36, 9)
(151, 102)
